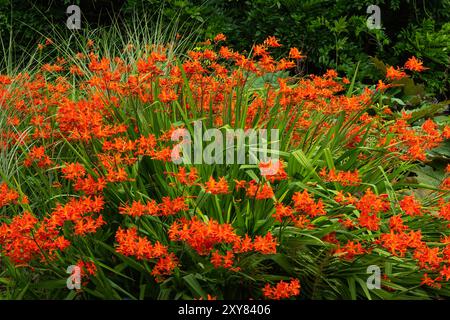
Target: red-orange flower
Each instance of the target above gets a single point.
(414, 64)
(410, 206)
(395, 74)
(304, 203)
(282, 290)
(217, 187)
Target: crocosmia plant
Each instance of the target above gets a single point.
(215, 174)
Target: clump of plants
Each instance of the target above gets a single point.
(89, 179)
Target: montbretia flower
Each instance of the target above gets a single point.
(138, 209)
(282, 290)
(165, 266)
(304, 203)
(396, 224)
(220, 37)
(349, 250)
(272, 42)
(395, 74)
(37, 155)
(282, 212)
(411, 206)
(184, 177)
(87, 268)
(7, 195)
(73, 171)
(294, 53)
(345, 178)
(428, 258)
(26, 238)
(259, 191)
(88, 224)
(167, 207)
(217, 187)
(266, 244)
(273, 170)
(225, 261)
(130, 244)
(201, 236)
(371, 203)
(414, 64)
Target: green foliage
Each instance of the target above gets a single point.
(432, 44)
(333, 34)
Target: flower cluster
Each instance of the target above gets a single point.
(282, 290)
(7, 195)
(130, 244)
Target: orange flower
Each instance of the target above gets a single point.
(410, 206)
(345, 178)
(185, 178)
(426, 280)
(304, 203)
(130, 244)
(87, 268)
(396, 224)
(428, 258)
(259, 191)
(266, 244)
(201, 236)
(220, 37)
(240, 184)
(73, 171)
(26, 238)
(167, 95)
(137, 209)
(344, 199)
(444, 210)
(88, 224)
(414, 64)
(282, 211)
(395, 74)
(294, 53)
(165, 208)
(446, 132)
(217, 187)
(371, 203)
(259, 50)
(302, 222)
(282, 290)
(169, 207)
(445, 272)
(347, 223)
(350, 250)
(272, 42)
(225, 261)
(7, 196)
(165, 266)
(37, 155)
(273, 170)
